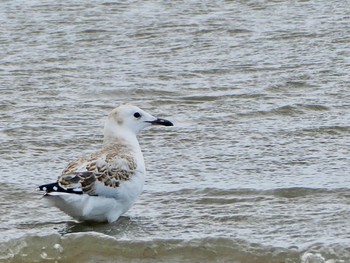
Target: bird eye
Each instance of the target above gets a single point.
(137, 115)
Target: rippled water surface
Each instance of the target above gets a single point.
(256, 168)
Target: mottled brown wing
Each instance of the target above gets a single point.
(108, 167)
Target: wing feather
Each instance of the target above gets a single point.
(110, 167)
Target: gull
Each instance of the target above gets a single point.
(104, 185)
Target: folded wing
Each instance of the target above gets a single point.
(98, 174)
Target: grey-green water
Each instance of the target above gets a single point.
(256, 168)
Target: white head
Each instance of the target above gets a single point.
(128, 120)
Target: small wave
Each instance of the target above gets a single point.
(216, 196)
(287, 110)
(285, 35)
(95, 247)
(217, 192)
(331, 130)
(93, 31)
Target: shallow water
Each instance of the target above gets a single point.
(256, 168)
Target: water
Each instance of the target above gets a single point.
(256, 168)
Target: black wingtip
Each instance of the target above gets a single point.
(55, 187)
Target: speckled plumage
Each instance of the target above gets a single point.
(111, 166)
(105, 184)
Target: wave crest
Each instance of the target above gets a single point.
(96, 247)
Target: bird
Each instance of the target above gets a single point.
(105, 184)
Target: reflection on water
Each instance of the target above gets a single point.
(120, 229)
(255, 169)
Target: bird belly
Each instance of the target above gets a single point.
(109, 205)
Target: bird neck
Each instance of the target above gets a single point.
(114, 134)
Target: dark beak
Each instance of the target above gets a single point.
(161, 122)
